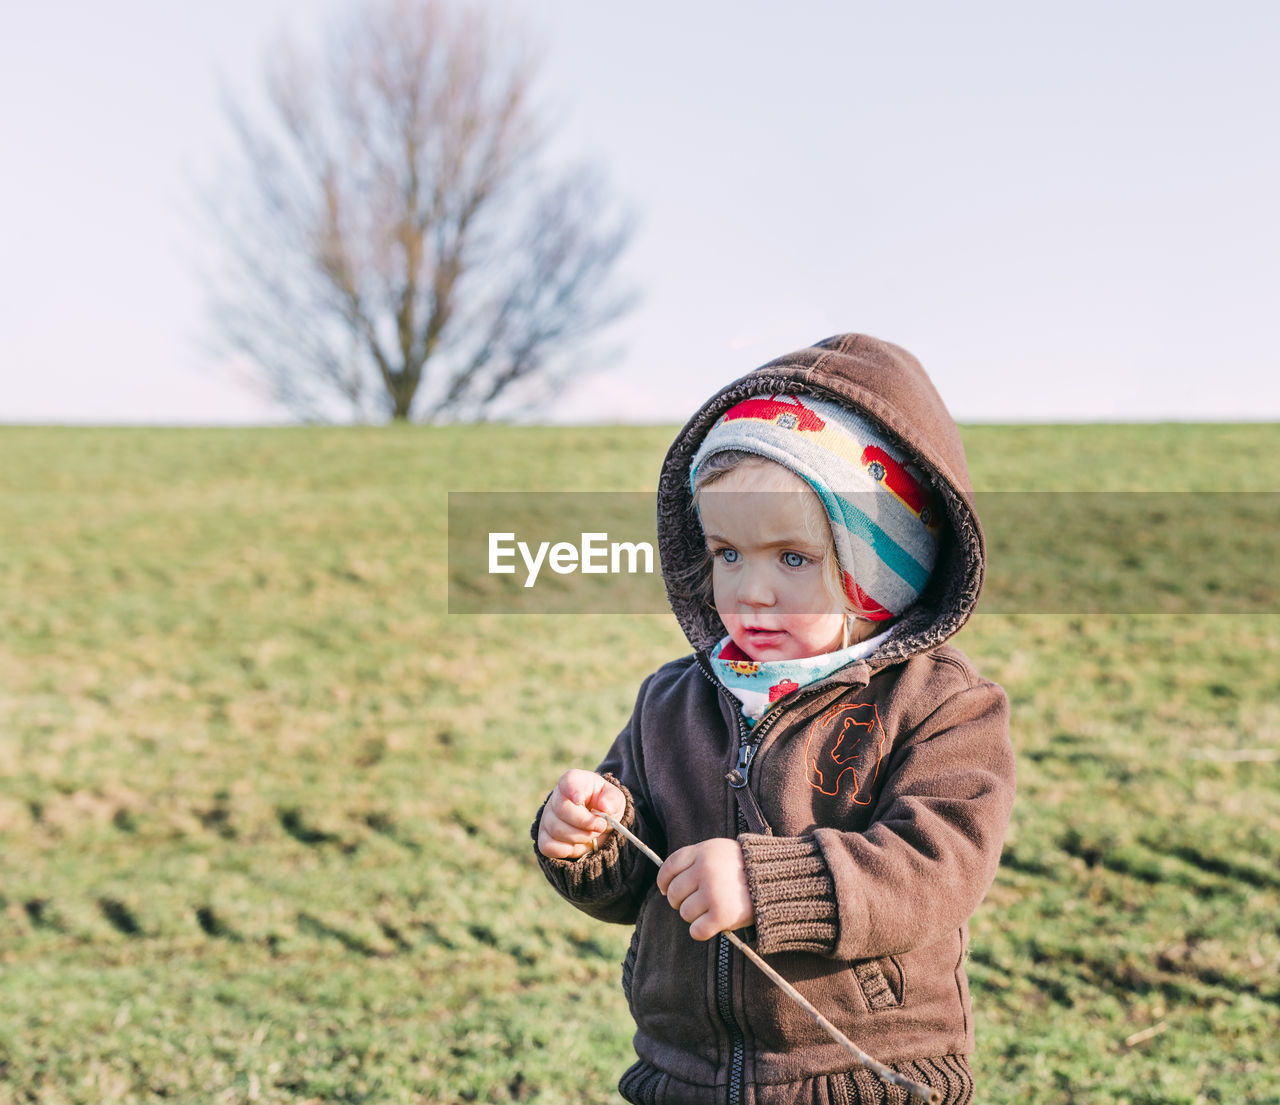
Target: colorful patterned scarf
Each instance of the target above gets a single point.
(758, 684)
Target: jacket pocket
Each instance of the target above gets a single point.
(629, 961)
(881, 982)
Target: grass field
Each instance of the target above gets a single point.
(264, 804)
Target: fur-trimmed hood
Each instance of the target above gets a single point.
(888, 385)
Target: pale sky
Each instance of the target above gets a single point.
(1066, 210)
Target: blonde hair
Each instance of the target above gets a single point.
(715, 468)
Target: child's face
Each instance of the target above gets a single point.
(769, 537)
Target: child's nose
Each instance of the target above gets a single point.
(755, 588)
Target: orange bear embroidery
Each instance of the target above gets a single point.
(857, 750)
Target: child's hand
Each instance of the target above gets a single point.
(707, 883)
(570, 822)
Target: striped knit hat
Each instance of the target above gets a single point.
(884, 520)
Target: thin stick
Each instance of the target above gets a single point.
(1146, 1034)
(924, 1093)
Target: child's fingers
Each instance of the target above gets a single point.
(693, 891)
(569, 829)
(585, 794)
(706, 885)
(553, 848)
(706, 925)
(696, 905)
(676, 864)
(608, 799)
(559, 840)
(578, 786)
(571, 824)
(707, 909)
(578, 827)
(574, 821)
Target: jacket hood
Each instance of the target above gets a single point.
(886, 384)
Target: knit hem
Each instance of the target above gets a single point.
(950, 1075)
(793, 892)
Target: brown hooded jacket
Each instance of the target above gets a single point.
(864, 860)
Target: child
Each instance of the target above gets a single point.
(824, 770)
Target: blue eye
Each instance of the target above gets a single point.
(793, 560)
(729, 556)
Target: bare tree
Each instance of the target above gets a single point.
(395, 244)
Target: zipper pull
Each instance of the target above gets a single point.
(747, 804)
(738, 776)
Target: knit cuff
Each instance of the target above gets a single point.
(793, 892)
(597, 877)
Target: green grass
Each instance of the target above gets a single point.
(264, 804)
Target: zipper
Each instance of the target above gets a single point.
(724, 1006)
(749, 741)
(724, 950)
